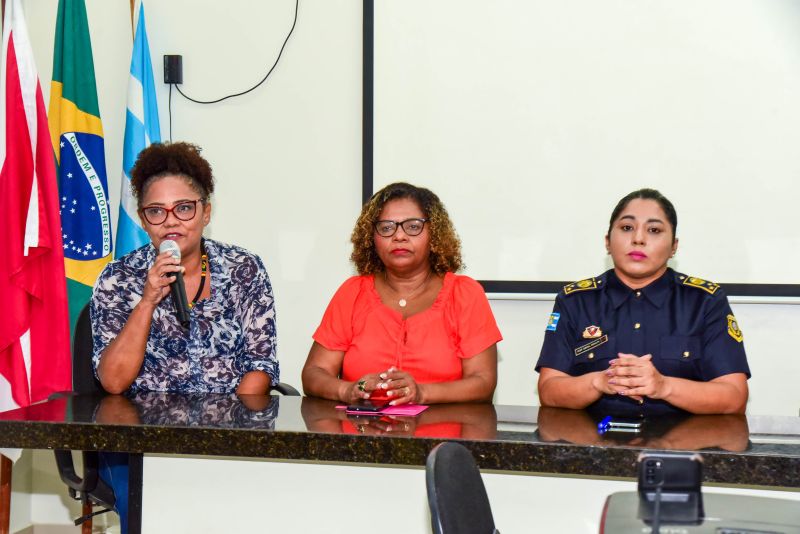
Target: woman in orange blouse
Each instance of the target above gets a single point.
(407, 327)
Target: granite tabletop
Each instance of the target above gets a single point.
(736, 449)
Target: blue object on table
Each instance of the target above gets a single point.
(603, 425)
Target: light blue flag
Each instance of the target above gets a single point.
(141, 129)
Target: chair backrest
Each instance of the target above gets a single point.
(285, 389)
(83, 379)
(456, 494)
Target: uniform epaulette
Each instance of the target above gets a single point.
(699, 283)
(589, 284)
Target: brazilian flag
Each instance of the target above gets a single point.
(77, 136)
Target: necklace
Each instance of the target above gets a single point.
(203, 271)
(403, 302)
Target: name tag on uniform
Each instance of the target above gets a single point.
(591, 345)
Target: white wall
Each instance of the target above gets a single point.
(287, 160)
(21, 485)
(536, 116)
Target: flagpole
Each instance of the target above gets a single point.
(5, 493)
(133, 35)
(5, 463)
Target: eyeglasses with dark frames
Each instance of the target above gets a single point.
(183, 211)
(411, 227)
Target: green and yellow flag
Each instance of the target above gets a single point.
(77, 136)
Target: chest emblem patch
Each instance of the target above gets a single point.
(733, 329)
(592, 332)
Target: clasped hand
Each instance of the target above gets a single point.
(397, 385)
(633, 376)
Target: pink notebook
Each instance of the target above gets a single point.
(403, 409)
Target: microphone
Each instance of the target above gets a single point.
(177, 287)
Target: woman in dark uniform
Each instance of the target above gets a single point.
(642, 338)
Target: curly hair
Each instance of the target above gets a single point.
(445, 254)
(167, 159)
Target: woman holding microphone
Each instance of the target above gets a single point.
(228, 343)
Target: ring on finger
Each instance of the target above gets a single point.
(362, 385)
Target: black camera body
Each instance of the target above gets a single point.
(670, 487)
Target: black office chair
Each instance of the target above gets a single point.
(83, 379)
(90, 489)
(456, 494)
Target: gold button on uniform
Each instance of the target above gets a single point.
(638, 294)
(637, 326)
(687, 354)
(591, 355)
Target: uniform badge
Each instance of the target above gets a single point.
(592, 332)
(552, 322)
(583, 285)
(733, 329)
(705, 285)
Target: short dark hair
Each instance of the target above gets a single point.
(647, 194)
(445, 255)
(165, 159)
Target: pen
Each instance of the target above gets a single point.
(604, 423)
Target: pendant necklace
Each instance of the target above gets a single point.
(203, 273)
(403, 302)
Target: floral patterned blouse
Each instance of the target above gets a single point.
(230, 333)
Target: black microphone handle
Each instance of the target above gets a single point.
(179, 298)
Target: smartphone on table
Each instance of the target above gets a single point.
(367, 406)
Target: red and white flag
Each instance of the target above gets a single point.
(34, 326)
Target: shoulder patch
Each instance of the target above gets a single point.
(705, 285)
(733, 329)
(583, 285)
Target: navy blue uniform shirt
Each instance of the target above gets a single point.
(684, 322)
